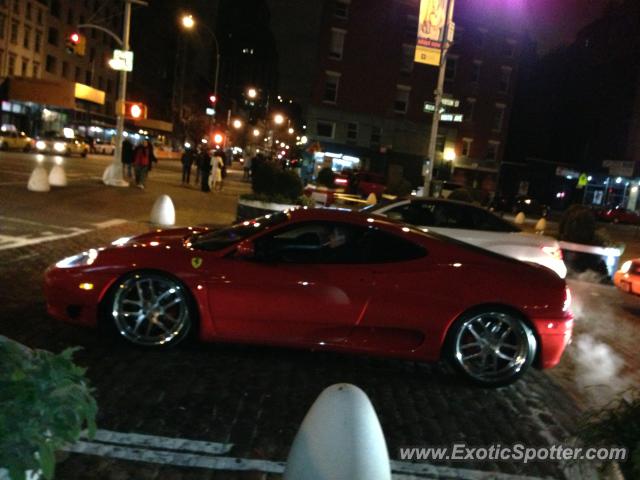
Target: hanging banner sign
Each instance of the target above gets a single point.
(431, 24)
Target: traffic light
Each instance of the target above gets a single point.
(213, 99)
(218, 138)
(76, 44)
(135, 110)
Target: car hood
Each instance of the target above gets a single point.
(169, 236)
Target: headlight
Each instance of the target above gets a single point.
(626, 266)
(40, 145)
(121, 241)
(82, 259)
(59, 147)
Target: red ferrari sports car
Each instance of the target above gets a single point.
(317, 279)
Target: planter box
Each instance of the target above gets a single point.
(580, 258)
(248, 209)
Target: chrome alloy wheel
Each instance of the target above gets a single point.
(494, 348)
(151, 310)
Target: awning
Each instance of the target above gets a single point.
(55, 93)
(154, 124)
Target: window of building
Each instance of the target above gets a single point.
(13, 36)
(53, 36)
(28, 11)
(40, 16)
(26, 40)
(498, 118)
(475, 71)
(87, 77)
(470, 108)
(336, 47)
(51, 64)
(325, 129)
(440, 142)
(376, 135)
(38, 41)
(54, 7)
(3, 22)
(410, 29)
(408, 53)
(25, 67)
(331, 87)
(35, 70)
(77, 74)
(466, 147)
(101, 83)
(341, 9)
(451, 68)
(92, 54)
(12, 64)
(16, 7)
(65, 69)
(70, 16)
(109, 87)
(352, 132)
(505, 79)
(492, 150)
(401, 103)
(509, 48)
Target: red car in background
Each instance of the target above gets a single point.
(361, 183)
(619, 215)
(322, 279)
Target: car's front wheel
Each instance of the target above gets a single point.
(150, 309)
(492, 348)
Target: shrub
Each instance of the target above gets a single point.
(578, 225)
(272, 184)
(326, 177)
(46, 403)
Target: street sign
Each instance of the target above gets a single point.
(583, 180)
(430, 108)
(450, 102)
(122, 60)
(210, 111)
(452, 117)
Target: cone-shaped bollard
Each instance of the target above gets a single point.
(519, 220)
(39, 180)
(163, 211)
(57, 177)
(541, 226)
(372, 199)
(339, 439)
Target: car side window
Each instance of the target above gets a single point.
(452, 216)
(413, 213)
(382, 247)
(487, 221)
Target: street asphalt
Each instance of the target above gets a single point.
(254, 398)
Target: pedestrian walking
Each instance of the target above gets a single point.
(204, 161)
(187, 160)
(127, 158)
(247, 168)
(218, 167)
(143, 158)
(198, 161)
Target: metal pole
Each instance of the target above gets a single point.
(431, 155)
(113, 174)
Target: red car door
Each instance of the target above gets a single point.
(296, 292)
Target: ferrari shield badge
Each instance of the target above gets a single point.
(196, 262)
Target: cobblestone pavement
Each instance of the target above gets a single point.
(256, 397)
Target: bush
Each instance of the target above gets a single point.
(46, 403)
(326, 178)
(273, 184)
(578, 225)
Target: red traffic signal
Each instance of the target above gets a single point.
(135, 110)
(76, 44)
(213, 99)
(74, 37)
(218, 138)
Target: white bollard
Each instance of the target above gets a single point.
(372, 199)
(519, 220)
(541, 226)
(57, 177)
(163, 211)
(340, 439)
(39, 180)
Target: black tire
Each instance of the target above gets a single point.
(480, 356)
(129, 310)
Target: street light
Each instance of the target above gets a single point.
(256, 132)
(291, 130)
(237, 124)
(278, 119)
(189, 22)
(449, 154)
(252, 93)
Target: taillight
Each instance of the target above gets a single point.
(555, 252)
(341, 181)
(566, 306)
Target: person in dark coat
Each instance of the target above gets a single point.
(204, 161)
(143, 159)
(187, 160)
(127, 158)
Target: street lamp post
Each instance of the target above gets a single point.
(113, 174)
(428, 174)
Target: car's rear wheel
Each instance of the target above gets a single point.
(492, 347)
(150, 309)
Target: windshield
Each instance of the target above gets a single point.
(225, 237)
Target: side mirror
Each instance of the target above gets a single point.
(246, 250)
